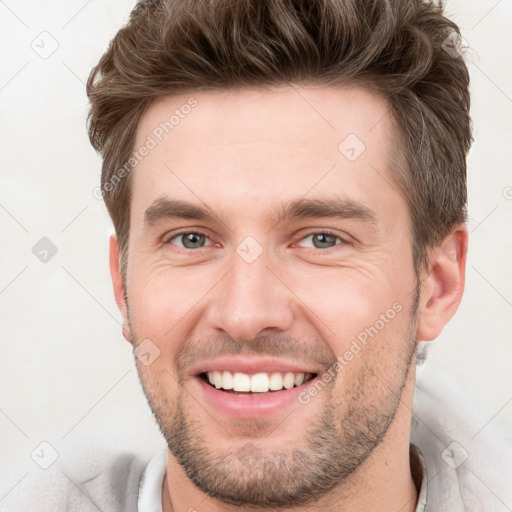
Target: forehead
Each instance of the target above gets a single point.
(265, 145)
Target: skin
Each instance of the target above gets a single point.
(243, 153)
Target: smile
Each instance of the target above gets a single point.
(261, 382)
(249, 388)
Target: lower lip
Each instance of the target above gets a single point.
(254, 405)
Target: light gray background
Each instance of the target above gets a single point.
(66, 373)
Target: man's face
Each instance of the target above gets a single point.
(269, 282)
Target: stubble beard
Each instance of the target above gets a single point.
(334, 445)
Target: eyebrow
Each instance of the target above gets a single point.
(340, 208)
(299, 209)
(163, 208)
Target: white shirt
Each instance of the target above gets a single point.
(150, 493)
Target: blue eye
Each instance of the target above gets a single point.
(323, 240)
(196, 240)
(189, 240)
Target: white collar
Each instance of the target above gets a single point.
(150, 489)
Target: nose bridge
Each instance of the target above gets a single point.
(250, 299)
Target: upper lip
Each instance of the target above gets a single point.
(252, 366)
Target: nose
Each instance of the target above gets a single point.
(249, 300)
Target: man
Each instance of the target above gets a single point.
(287, 183)
(288, 186)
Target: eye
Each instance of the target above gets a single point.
(323, 239)
(189, 240)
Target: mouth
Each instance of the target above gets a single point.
(261, 383)
(250, 389)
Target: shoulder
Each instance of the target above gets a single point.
(468, 453)
(90, 480)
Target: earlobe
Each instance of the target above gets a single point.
(442, 289)
(118, 284)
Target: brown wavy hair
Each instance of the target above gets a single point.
(401, 49)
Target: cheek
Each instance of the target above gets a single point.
(161, 297)
(374, 363)
(160, 387)
(344, 301)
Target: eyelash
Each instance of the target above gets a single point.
(168, 239)
(320, 232)
(324, 232)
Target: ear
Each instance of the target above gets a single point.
(119, 290)
(442, 288)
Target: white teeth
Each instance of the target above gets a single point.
(257, 383)
(217, 379)
(227, 380)
(241, 382)
(276, 382)
(289, 380)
